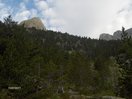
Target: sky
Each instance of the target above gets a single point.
(87, 18)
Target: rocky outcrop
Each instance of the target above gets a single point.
(129, 31)
(105, 36)
(116, 35)
(33, 23)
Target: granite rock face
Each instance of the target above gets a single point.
(105, 36)
(33, 23)
(116, 35)
(129, 31)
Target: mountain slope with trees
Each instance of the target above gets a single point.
(46, 63)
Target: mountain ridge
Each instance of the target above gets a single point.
(116, 35)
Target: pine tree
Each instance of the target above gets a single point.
(125, 61)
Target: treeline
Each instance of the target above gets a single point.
(44, 62)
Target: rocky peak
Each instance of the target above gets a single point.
(106, 36)
(116, 35)
(33, 22)
(129, 31)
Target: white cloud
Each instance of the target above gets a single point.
(123, 18)
(41, 4)
(91, 17)
(24, 13)
(50, 12)
(78, 17)
(47, 14)
(4, 11)
(34, 13)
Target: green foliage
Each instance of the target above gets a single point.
(40, 62)
(125, 61)
(4, 94)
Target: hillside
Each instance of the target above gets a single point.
(48, 62)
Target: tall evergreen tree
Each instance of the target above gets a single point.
(125, 61)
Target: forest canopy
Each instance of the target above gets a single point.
(45, 63)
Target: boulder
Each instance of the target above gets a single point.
(33, 23)
(105, 36)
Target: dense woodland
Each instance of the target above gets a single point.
(49, 64)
